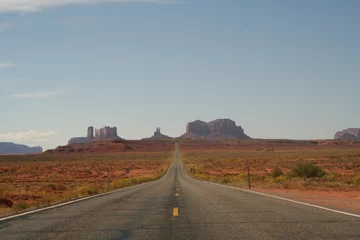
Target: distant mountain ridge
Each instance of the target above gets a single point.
(13, 148)
(214, 130)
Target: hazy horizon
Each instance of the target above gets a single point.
(280, 70)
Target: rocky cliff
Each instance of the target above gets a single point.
(12, 148)
(106, 133)
(215, 130)
(348, 134)
(90, 134)
(102, 134)
(157, 135)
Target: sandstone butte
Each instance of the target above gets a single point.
(102, 134)
(348, 134)
(214, 130)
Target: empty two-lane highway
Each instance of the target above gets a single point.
(179, 207)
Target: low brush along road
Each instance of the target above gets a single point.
(179, 207)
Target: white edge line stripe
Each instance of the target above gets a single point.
(85, 198)
(281, 198)
(289, 200)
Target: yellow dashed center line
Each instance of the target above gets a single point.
(176, 212)
(176, 195)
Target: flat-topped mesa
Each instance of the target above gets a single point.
(106, 133)
(78, 140)
(348, 134)
(214, 130)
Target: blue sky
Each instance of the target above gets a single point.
(280, 69)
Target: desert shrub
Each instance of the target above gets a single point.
(356, 180)
(307, 170)
(45, 202)
(135, 181)
(241, 178)
(281, 179)
(51, 187)
(331, 177)
(202, 177)
(333, 185)
(256, 178)
(269, 180)
(6, 202)
(128, 147)
(121, 183)
(225, 180)
(20, 206)
(348, 180)
(87, 190)
(193, 170)
(276, 172)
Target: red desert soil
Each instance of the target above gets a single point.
(116, 146)
(226, 162)
(346, 201)
(266, 145)
(78, 170)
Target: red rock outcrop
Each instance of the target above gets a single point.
(102, 134)
(198, 127)
(106, 133)
(215, 130)
(348, 134)
(157, 135)
(90, 134)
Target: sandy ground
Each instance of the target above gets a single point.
(345, 201)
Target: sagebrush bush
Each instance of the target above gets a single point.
(332, 177)
(225, 180)
(357, 180)
(20, 206)
(276, 172)
(307, 170)
(281, 179)
(87, 190)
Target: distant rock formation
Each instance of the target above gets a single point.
(90, 134)
(102, 134)
(157, 136)
(78, 140)
(215, 130)
(13, 148)
(106, 133)
(348, 134)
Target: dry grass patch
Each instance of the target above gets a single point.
(34, 181)
(307, 169)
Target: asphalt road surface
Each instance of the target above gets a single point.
(202, 211)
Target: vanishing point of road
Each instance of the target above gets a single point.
(179, 207)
